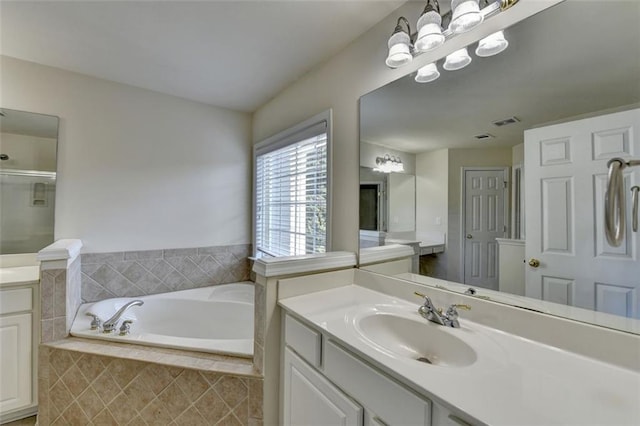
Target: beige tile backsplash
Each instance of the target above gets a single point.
(137, 273)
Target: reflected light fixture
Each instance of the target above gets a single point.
(466, 16)
(389, 164)
(399, 45)
(427, 73)
(430, 28)
(457, 60)
(492, 44)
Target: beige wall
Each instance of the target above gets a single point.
(517, 156)
(139, 170)
(458, 158)
(340, 82)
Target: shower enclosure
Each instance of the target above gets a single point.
(28, 147)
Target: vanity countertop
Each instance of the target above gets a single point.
(513, 380)
(19, 275)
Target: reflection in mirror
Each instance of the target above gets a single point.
(387, 195)
(28, 148)
(510, 162)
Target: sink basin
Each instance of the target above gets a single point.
(417, 340)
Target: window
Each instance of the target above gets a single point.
(291, 191)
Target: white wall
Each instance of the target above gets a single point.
(137, 169)
(340, 82)
(402, 202)
(458, 158)
(28, 152)
(432, 171)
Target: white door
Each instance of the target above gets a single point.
(310, 399)
(483, 222)
(565, 185)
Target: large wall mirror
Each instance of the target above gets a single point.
(28, 148)
(510, 159)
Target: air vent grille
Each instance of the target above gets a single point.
(505, 121)
(484, 136)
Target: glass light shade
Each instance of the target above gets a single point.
(399, 50)
(427, 73)
(466, 15)
(457, 60)
(492, 44)
(429, 32)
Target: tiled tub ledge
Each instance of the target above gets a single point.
(84, 382)
(222, 364)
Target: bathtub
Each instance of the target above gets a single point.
(215, 319)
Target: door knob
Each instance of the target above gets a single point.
(469, 236)
(534, 263)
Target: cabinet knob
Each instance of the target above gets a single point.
(534, 263)
(469, 236)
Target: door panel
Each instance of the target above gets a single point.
(484, 221)
(565, 186)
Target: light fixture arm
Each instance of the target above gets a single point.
(399, 29)
(432, 6)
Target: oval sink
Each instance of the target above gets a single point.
(421, 341)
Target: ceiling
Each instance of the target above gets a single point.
(564, 62)
(235, 54)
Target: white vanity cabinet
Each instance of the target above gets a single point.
(326, 384)
(18, 321)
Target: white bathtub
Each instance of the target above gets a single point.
(210, 319)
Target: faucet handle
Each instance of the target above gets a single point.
(96, 323)
(452, 312)
(460, 306)
(125, 328)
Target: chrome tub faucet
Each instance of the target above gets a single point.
(110, 325)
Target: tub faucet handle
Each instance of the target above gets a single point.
(125, 328)
(96, 322)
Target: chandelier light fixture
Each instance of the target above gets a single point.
(457, 60)
(430, 28)
(463, 16)
(400, 45)
(427, 73)
(389, 164)
(466, 16)
(492, 44)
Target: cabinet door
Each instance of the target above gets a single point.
(15, 362)
(310, 399)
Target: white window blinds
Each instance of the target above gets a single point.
(291, 195)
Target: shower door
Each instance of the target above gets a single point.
(27, 206)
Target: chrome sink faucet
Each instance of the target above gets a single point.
(429, 312)
(110, 325)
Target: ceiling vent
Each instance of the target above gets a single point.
(484, 136)
(505, 121)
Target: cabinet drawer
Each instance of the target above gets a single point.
(16, 300)
(304, 340)
(393, 403)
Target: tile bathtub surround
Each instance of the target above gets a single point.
(59, 300)
(138, 273)
(87, 389)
